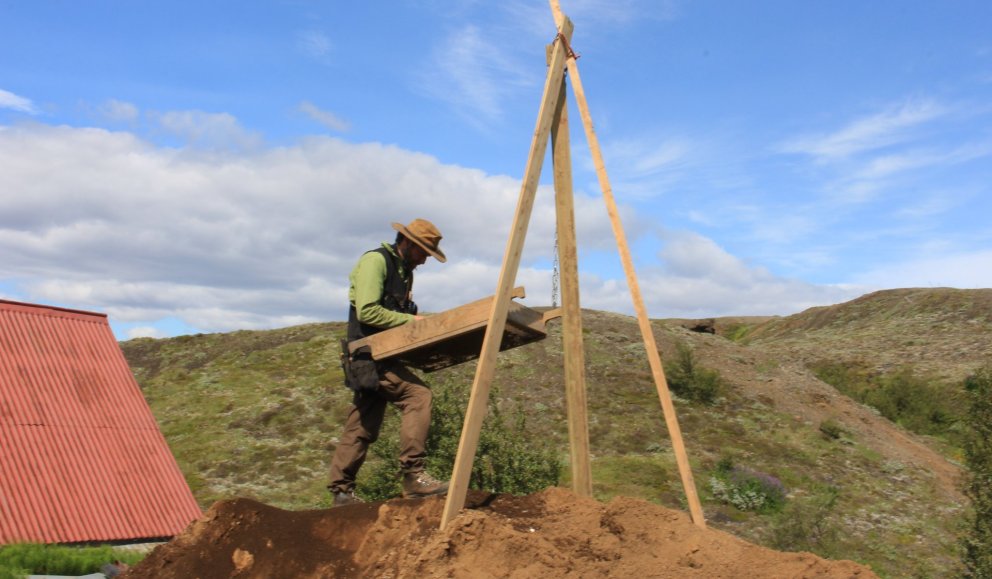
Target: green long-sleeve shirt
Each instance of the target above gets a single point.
(367, 281)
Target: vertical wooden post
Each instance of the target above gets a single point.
(571, 332)
(654, 359)
(479, 397)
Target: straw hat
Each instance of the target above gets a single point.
(424, 234)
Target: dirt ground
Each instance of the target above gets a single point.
(554, 533)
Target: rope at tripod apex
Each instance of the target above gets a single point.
(568, 47)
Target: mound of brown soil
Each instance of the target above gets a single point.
(549, 534)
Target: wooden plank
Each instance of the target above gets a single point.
(411, 335)
(654, 359)
(438, 341)
(479, 397)
(572, 346)
(430, 353)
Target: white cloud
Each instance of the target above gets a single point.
(326, 118)
(637, 159)
(267, 238)
(477, 68)
(928, 207)
(9, 100)
(866, 179)
(882, 129)
(696, 277)
(474, 76)
(209, 130)
(642, 167)
(904, 151)
(314, 44)
(693, 256)
(888, 165)
(119, 111)
(144, 332)
(789, 226)
(961, 270)
(246, 240)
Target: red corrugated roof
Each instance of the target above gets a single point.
(81, 456)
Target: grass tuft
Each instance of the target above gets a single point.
(22, 559)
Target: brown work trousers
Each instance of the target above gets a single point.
(408, 393)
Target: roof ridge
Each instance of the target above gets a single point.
(52, 310)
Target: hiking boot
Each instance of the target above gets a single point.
(421, 484)
(346, 498)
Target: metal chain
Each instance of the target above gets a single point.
(555, 275)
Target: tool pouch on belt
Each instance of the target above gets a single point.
(360, 373)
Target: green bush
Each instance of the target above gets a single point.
(831, 429)
(808, 525)
(22, 559)
(737, 332)
(507, 459)
(978, 455)
(690, 380)
(746, 489)
(916, 403)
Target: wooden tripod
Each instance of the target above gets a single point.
(552, 120)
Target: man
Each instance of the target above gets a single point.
(380, 296)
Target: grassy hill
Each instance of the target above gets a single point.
(256, 414)
(943, 332)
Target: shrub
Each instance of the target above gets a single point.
(691, 381)
(914, 402)
(507, 459)
(19, 560)
(737, 332)
(808, 525)
(746, 489)
(978, 455)
(831, 429)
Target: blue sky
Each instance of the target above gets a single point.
(202, 167)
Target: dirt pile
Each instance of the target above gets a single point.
(553, 533)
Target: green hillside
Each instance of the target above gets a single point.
(256, 414)
(942, 331)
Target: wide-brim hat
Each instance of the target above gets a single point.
(424, 234)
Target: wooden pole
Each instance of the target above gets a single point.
(571, 332)
(479, 397)
(654, 359)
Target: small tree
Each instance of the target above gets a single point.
(690, 380)
(508, 459)
(978, 454)
(808, 525)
